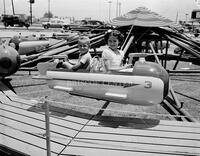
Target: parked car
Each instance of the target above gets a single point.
(55, 23)
(13, 20)
(88, 25)
(179, 28)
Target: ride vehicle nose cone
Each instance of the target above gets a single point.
(5, 63)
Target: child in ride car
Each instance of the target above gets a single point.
(84, 59)
(112, 55)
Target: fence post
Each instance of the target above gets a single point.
(47, 124)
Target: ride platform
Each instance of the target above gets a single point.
(22, 128)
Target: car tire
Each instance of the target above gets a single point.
(66, 27)
(21, 24)
(6, 24)
(46, 26)
(27, 25)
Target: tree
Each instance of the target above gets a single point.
(48, 15)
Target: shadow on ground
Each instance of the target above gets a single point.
(105, 121)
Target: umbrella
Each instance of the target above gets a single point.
(142, 17)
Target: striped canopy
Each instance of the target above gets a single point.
(141, 17)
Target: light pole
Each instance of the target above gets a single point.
(48, 10)
(109, 2)
(31, 13)
(186, 18)
(117, 8)
(177, 17)
(120, 8)
(13, 9)
(4, 7)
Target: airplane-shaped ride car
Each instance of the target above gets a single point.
(146, 84)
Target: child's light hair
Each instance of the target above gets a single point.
(84, 39)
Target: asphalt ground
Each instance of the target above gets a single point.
(36, 29)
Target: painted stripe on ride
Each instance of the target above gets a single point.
(90, 82)
(68, 89)
(100, 78)
(123, 96)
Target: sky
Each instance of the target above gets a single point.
(99, 9)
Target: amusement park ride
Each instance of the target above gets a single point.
(146, 84)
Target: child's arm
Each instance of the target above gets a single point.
(121, 67)
(82, 63)
(77, 66)
(106, 64)
(109, 68)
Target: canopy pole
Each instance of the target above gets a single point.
(127, 37)
(128, 44)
